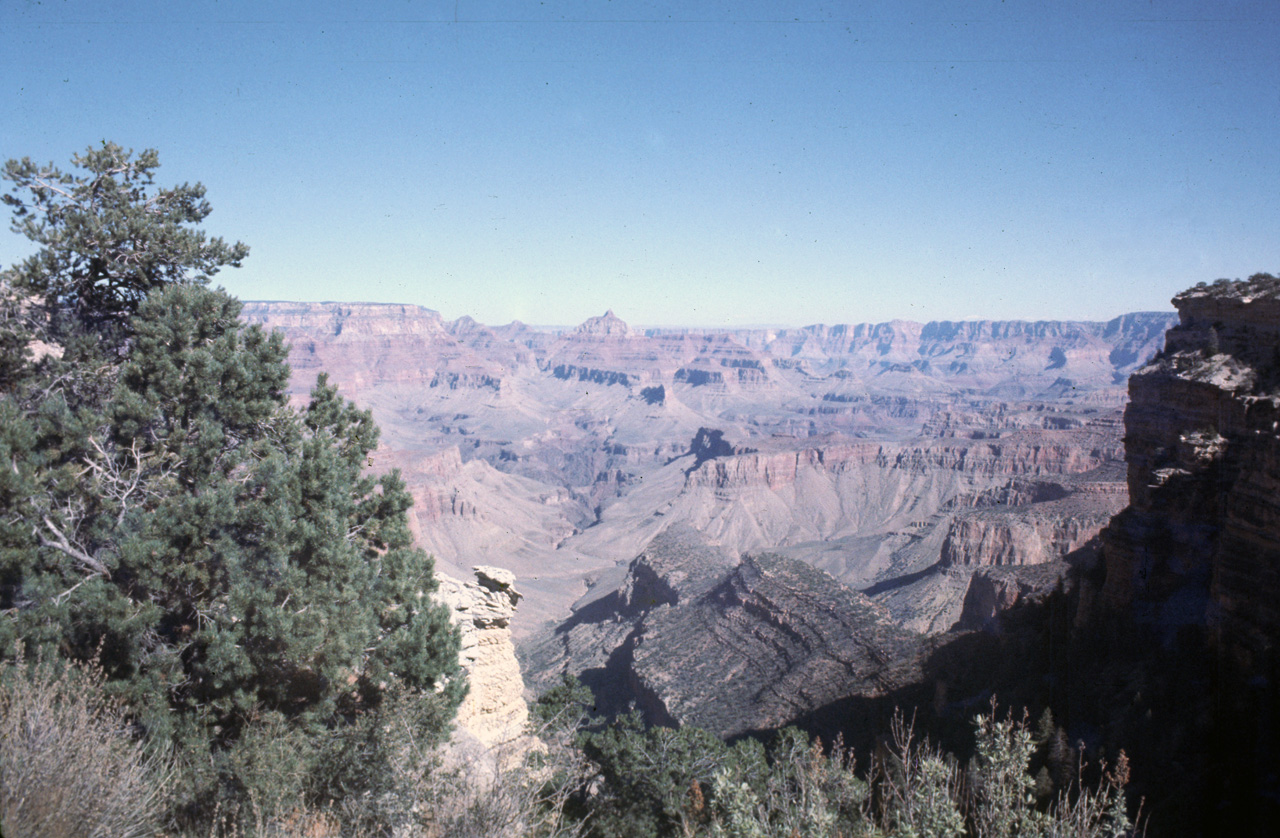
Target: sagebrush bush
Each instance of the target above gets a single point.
(68, 764)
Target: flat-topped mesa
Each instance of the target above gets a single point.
(336, 321)
(607, 326)
(365, 346)
(494, 711)
(1013, 354)
(1200, 541)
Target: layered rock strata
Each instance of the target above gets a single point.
(776, 639)
(692, 636)
(1036, 534)
(494, 712)
(1200, 541)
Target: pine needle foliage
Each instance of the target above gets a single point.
(108, 237)
(228, 558)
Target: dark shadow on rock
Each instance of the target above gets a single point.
(900, 581)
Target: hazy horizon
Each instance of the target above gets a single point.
(699, 165)
(640, 326)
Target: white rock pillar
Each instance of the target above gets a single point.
(494, 711)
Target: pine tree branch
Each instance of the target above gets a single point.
(63, 544)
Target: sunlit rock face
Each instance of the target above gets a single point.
(1200, 540)
(1015, 536)
(494, 711)
(855, 448)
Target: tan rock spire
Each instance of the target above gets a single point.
(494, 711)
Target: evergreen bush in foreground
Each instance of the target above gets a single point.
(253, 596)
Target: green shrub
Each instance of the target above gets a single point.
(1002, 802)
(797, 790)
(655, 782)
(646, 776)
(918, 787)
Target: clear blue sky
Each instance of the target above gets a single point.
(705, 163)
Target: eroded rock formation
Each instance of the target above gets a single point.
(691, 635)
(1200, 541)
(494, 712)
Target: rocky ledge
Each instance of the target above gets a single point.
(494, 712)
(1199, 544)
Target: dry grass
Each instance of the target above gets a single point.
(68, 766)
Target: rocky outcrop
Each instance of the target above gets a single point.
(1013, 554)
(775, 640)
(692, 636)
(607, 326)
(1199, 543)
(1036, 534)
(994, 590)
(494, 712)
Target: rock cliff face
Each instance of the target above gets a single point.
(494, 712)
(365, 345)
(692, 635)
(1045, 532)
(1200, 540)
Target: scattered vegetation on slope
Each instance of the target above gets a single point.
(663, 781)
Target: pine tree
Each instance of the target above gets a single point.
(108, 237)
(226, 556)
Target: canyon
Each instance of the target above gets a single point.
(744, 529)
(897, 457)
(793, 512)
